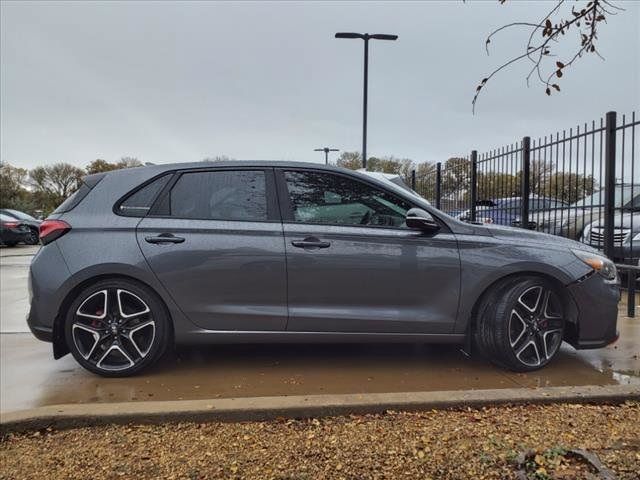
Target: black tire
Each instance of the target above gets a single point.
(33, 238)
(134, 328)
(520, 324)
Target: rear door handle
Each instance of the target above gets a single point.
(310, 242)
(164, 238)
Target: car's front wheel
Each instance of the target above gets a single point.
(520, 324)
(116, 328)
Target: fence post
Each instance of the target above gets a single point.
(525, 190)
(438, 184)
(609, 181)
(474, 184)
(631, 289)
(413, 179)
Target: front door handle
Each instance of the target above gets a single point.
(164, 238)
(310, 242)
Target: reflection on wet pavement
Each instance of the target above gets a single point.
(30, 377)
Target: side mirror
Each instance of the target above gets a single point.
(419, 219)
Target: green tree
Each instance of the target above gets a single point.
(12, 182)
(391, 164)
(52, 184)
(569, 187)
(99, 165)
(493, 185)
(350, 160)
(456, 178)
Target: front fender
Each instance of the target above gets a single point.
(486, 260)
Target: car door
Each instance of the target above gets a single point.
(354, 266)
(214, 239)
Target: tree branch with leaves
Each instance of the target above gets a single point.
(548, 33)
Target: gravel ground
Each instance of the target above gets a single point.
(461, 444)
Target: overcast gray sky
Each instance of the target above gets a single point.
(172, 82)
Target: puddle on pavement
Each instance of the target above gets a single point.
(30, 377)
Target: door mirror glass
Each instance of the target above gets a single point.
(419, 219)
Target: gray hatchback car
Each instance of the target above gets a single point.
(139, 259)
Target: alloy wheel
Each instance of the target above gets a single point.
(113, 329)
(33, 237)
(536, 326)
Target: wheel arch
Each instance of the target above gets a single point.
(569, 307)
(60, 347)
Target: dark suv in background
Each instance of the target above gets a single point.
(139, 259)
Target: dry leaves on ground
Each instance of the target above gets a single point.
(462, 444)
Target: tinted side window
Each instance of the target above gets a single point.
(139, 203)
(333, 199)
(221, 195)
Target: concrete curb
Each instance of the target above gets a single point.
(266, 408)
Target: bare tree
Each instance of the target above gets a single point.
(129, 162)
(218, 158)
(548, 32)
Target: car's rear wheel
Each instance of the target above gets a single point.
(520, 324)
(116, 328)
(33, 238)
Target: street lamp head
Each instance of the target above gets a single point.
(349, 35)
(383, 36)
(366, 36)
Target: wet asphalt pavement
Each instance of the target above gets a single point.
(29, 377)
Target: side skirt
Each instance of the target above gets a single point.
(225, 336)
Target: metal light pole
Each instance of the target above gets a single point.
(366, 37)
(326, 151)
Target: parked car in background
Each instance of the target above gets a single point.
(626, 234)
(506, 211)
(27, 220)
(571, 222)
(12, 231)
(283, 252)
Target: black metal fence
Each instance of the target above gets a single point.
(583, 184)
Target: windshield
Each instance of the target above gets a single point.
(6, 218)
(19, 215)
(623, 195)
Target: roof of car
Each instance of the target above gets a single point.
(242, 163)
(151, 170)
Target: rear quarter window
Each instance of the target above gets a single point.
(71, 202)
(139, 202)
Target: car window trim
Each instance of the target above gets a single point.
(286, 210)
(273, 211)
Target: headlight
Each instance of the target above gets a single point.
(585, 234)
(637, 237)
(600, 264)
